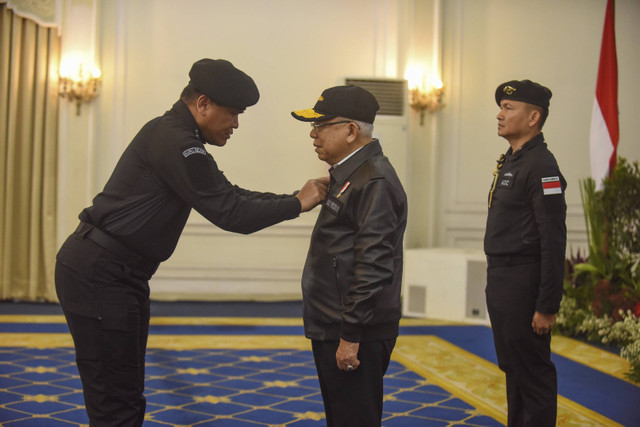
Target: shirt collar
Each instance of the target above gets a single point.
(341, 172)
(533, 142)
(345, 159)
(185, 116)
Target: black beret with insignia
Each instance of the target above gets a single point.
(223, 83)
(524, 91)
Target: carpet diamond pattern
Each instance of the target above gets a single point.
(214, 387)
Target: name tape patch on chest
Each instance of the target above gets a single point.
(194, 150)
(333, 205)
(506, 180)
(551, 185)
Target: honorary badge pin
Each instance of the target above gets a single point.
(342, 190)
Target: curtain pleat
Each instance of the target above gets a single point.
(28, 120)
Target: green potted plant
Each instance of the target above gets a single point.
(602, 291)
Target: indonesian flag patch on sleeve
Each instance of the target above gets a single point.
(551, 185)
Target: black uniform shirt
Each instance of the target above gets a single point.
(527, 216)
(164, 172)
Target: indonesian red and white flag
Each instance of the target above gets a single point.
(604, 122)
(551, 185)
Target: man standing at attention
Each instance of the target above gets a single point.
(103, 269)
(352, 275)
(525, 244)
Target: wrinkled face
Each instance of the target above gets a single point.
(514, 119)
(217, 122)
(330, 139)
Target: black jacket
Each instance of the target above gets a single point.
(527, 216)
(164, 173)
(352, 277)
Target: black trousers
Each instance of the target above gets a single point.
(524, 356)
(106, 305)
(353, 399)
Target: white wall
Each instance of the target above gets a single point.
(296, 48)
(556, 43)
(293, 50)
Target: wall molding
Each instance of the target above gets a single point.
(286, 229)
(462, 216)
(227, 283)
(239, 273)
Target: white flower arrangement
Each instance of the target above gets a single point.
(624, 334)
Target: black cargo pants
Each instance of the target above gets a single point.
(524, 356)
(106, 305)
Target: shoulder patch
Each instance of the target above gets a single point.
(194, 150)
(551, 185)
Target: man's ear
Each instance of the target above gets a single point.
(202, 104)
(534, 117)
(354, 131)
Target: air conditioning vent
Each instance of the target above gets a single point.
(390, 93)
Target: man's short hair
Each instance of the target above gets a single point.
(366, 129)
(544, 113)
(190, 94)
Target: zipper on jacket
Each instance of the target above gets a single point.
(334, 264)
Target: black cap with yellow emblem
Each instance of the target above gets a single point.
(524, 91)
(351, 102)
(223, 83)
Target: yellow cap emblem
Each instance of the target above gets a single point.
(321, 98)
(309, 113)
(509, 90)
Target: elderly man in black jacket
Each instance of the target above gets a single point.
(352, 276)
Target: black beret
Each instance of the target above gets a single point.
(223, 83)
(351, 102)
(524, 91)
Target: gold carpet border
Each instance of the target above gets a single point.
(35, 318)
(217, 342)
(426, 371)
(207, 320)
(585, 354)
(578, 351)
(476, 380)
(36, 340)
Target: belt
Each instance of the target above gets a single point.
(510, 260)
(113, 246)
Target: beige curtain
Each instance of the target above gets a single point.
(29, 58)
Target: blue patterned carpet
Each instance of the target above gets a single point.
(40, 387)
(260, 372)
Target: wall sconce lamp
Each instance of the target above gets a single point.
(421, 99)
(77, 85)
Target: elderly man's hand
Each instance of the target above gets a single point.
(313, 193)
(542, 323)
(347, 356)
